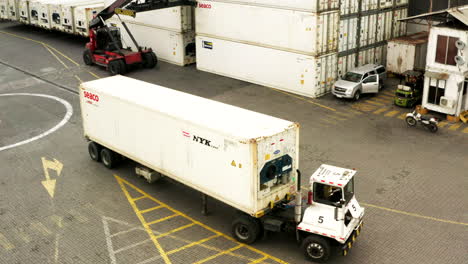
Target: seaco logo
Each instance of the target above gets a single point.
(91, 96)
(200, 5)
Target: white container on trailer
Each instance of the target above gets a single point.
(34, 12)
(83, 15)
(13, 14)
(242, 158)
(407, 53)
(170, 46)
(67, 10)
(23, 11)
(295, 31)
(313, 6)
(306, 75)
(44, 13)
(3, 9)
(56, 14)
(177, 19)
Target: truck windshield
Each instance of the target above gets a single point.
(352, 77)
(349, 190)
(402, 95)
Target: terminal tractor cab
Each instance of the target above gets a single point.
(105, 42)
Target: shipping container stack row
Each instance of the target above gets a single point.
(296, 46)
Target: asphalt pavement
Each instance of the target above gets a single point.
(58, 206)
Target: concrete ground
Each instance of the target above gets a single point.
(412, 182)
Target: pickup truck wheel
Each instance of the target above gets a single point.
(245, 229)
(108, 158)
(316, 248)
(357, 95)
(94, 151)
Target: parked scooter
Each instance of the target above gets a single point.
(429, 122)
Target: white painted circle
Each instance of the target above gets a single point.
(65, 119)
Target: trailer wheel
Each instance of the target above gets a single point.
(88, 57)
(94, 151)
(108, 158)
(149, 60)
(316, 248)
(245, 229)
(116, 67)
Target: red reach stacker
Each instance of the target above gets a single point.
(105, 42)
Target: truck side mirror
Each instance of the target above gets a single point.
(342, 202)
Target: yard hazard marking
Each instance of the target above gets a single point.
(158, 231)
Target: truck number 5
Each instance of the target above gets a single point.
(320, 220)
(354, 208)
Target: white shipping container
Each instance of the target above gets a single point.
(3, 9)
(44, 13)
(407, 53)
(401, 2)
(364, 33)
(386, 3)
(173, 47)
(399, 28)
(217, 149)
(346, 63)
(34, 12)
(348, 37)
(366, 56)
(374, 4)
(13, 14)
(67, 12)
(348, 7)
(23, 11)
(295, 31)
(83, 15)
(381, 54)
(313, 6)
(388, 24)
(301, 74)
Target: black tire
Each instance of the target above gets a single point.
(410, 121)
(116, 67)
(316, 248)
(432, 127)
(94, 151)
(108, 158)
(245, 229)
(357, 95)
(149, 60)
(88, 57)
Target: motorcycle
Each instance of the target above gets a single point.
(427, 121)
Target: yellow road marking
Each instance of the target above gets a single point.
(162, 219)
(258, 260)
(5, 243)
(139, 198)
(392, 113)
(143, 221)
(131, 200)
(443, 124)
(329, 121)
(465, 130)
(364, 107)
(416, 215)
(383, 100)
(41, 228)
(455, 127)
(381, 110)
(78, 78)
(337, 117)
(150, 209)
(193, 244)
(175, 230)
(402, 116)
(306, 100)
(217, 255)
(345, 114)
(95, 75)
(53, 54)
(369, 101)
(387, 96)
(389, 93)
(23, 235)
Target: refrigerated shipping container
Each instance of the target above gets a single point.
(67, 11)
(407, 53)
(348, 37)
(13, 10)
(23, 11)
(346, 63)
(83, 15)
(313, 6)
(242, 158)
(170, 46)
(34, 12)
(386, 3)
(3, 9)
(301, 74)
(301, 32)
(349, 7)
(399, 28)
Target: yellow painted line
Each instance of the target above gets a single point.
(95, 75)
(175, 230)
(465, 130)
(192, 244)
(443, 124)
(392, 113)
(258, 260)
(402, 116)
(143, 221)
(370, 101)
(217, 255)
(53, 54)
(381, 110)
(78, 78)
(5, 243)
(41, 228)
(346, 114)
(139, 198)
(455, 127)
(122, 184)
(415, 215)
(329, 121)
(383, 100)
(337, 117)
(162, 219)
(306, 100)
(363, 106)
(387, 96)
(150, 209)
